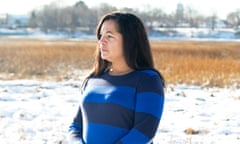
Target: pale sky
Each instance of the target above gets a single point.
(205, 7)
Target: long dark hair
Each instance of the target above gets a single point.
(136, 46)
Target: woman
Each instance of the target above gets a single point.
(122, 98)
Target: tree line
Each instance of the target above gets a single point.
(80, 17)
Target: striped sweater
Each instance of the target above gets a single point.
(119, 109)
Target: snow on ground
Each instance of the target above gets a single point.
(39, 112)
(212, 112)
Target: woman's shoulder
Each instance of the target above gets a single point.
(152, 76)
(148, 72)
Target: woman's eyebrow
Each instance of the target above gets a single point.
(110, 32)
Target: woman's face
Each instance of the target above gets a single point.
(110, 42)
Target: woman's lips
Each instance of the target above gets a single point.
(103, 49)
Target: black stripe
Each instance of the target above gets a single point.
(109, 114)
(152, 84)
(78, 117)
(146, 124)
(107, 80)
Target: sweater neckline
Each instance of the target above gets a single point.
(120, 76)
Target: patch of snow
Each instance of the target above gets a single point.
(40, 112)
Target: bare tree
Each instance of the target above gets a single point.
(192, 16)
(152, 17)
(234, 18)
(80, 14)
(65, 19)
(33, 22)
(212, 21)
(103, 8)
(49, 17)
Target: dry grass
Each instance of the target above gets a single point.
(190, 62)
(30, 58)
(199, 63)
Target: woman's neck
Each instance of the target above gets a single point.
(120, 69)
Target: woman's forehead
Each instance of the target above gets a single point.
(109, 26)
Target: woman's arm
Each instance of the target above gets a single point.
(148, 112)
(75, 129)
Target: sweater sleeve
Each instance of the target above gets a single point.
(148, 111)
(75, 129)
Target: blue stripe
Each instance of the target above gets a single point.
(120, 95)
(135, 137)
(150, 103)
(75, 127)
(150, 72)
(102, 134)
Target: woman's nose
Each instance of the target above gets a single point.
(102, 41)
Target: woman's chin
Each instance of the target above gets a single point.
(104, 57)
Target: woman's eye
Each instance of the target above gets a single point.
(110, 36)
(99, 36)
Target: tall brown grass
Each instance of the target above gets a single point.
(198, 62)
(190, 62)
(30, 58)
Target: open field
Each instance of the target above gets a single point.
(190, 62)
(40, 80)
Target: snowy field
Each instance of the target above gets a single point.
(39, 112)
